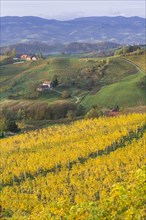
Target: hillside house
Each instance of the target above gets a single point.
(42, 88)
(47, 83)
(45, 86)
(34, 58)
(24, 57)
(27, 57)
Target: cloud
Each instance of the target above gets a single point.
(116, 13)
(70, 15)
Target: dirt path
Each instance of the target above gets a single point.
(137, 67)
(75, 97)
(54, 90)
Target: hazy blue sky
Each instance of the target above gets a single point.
(69, 9)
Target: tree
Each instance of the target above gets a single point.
(13, 52)
(118, 52)
(2, 126)
(10, 53)
(71, 114)
(21, 114)
(54, 81)
(80, 110)
(11, 126)
(107, 61)
(41, 55)
(65, 94)
(124, 50)
(139, 51)
(7, 125)
(7, 52)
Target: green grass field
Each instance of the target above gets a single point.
(124, 94)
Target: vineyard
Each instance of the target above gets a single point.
(91, 169)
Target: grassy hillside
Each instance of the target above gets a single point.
(19, 78)
(106, 82)
(90, 169)
(125, 93)
(129, 91)
(116, 70)
(74, 74)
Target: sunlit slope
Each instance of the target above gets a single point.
(125, 93)
(139, 60)
(89, 169)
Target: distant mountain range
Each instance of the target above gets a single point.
(119, 29)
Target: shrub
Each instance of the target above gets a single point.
(11, 126)
(65, 94)
(96, 112)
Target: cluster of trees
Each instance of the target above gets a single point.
(88, 76)
(7, 125)
(9, 117)
(55, 111)
(96, 112)
(11, 53)
(128, 49)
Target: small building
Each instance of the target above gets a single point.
(24, 57)
(47, 83)
(27, 57)
(45, 86)
(42, 88)
(34, 58)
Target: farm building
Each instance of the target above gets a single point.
(47, 83)
(24, 57)
(27, 57)
(45, 86)
(34, 58)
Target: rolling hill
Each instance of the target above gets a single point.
(73, 73)
(104, 82)
(129, 91)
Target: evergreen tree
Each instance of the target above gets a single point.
(54, 81)
(13, 52)
(12, 126)
(40, 55)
